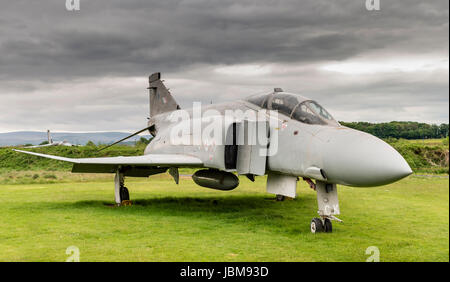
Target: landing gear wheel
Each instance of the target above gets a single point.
(328, 226)
(280, 198)
(317, 225)
(124, 194)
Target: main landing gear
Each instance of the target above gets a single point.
(121, 193)
(328, 203)
(280, 198)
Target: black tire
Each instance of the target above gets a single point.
(316, 225)
(280, 198)
(328, 226)
(124, 194)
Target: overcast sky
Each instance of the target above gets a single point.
(87, 70)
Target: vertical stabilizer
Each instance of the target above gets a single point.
(161, 100)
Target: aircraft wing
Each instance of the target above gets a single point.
(135, 165)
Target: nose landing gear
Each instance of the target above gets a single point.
(328, 203)
(328, 226)
(317, 225)
(321, 225)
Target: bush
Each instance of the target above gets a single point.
(401, 129)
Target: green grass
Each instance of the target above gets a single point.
(407, 221)
(428, 142)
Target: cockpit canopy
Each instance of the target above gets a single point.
(295, 107)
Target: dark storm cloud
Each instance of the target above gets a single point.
(42, 39)
(88, 67)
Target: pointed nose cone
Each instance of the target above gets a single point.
(387, 164)
(360, 159)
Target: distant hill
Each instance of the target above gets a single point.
(401, 129)
(35, 137)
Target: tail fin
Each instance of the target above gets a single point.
(161, 100)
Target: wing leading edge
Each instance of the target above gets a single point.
(132, 166)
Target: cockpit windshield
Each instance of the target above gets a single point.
(295, 107)
(258, 99)
(312, 113)
(319, 110)
(284, 103)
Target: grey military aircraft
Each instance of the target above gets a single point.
(51, 142)
(301, 141)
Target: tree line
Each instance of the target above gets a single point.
(401, 129)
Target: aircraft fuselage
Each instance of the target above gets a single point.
(343, 155)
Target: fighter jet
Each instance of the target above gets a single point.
(51, 142)
(299, 139)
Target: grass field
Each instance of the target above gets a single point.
(407, 221)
